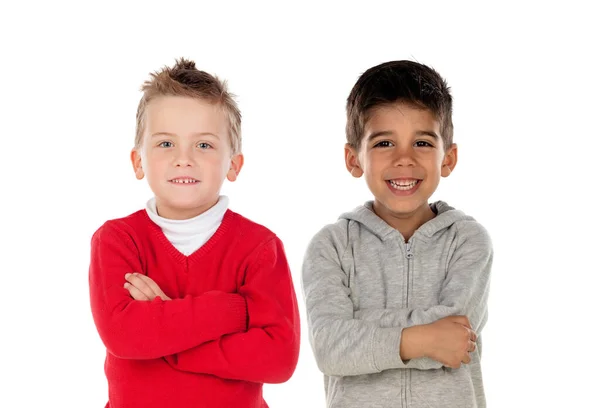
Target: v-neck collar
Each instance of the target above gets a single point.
(229, 219)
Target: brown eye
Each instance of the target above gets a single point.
(384, 143)
(423, 143)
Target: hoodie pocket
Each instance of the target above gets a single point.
(442, 388)
(381, 390)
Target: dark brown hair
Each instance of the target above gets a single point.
(398, 81)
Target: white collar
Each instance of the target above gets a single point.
(189, 235)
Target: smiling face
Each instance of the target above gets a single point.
(402, 157)
(185, 155)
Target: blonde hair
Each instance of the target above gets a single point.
(184, 79)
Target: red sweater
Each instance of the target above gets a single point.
(232, 323)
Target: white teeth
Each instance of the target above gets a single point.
(183, 181)
(403, 185)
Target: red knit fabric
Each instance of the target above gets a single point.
(232, 323)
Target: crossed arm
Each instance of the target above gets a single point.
(148, 330)
(252, 335)
(268, 351)
(346, 342)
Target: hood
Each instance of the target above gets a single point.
(446, 216)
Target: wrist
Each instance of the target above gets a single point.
(413, 344)
(427, 339)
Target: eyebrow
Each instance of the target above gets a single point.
(174, 135)
(390, 133)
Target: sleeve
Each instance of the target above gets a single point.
(465, 291)
(341, 344)
(268, 351)
(151, 329)
(345, 342)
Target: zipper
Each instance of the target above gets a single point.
(409, 253)
(409, 257)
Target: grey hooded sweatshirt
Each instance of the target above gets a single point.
(363, 284)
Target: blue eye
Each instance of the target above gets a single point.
(204, 145)
(383, 143)
(423, 143)
(165, 144)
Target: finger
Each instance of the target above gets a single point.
(153, 286)
(466, 359)
(136, 280)
(135, 292)
(472, 346)
(462, 320)
(467, 334)
(473, 336)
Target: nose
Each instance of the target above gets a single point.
(183, 157)
(404, 156)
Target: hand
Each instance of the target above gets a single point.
(141, 287)
(450, 340)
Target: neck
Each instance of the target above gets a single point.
(189, 234)
(406, 223)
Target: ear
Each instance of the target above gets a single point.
(237, 161)
(136, 161)
(352, 163)
(450, 159)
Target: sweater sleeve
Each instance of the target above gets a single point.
(341, 344)
(465, 291)
(268, 351)
(151, 329)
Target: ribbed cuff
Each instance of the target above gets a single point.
(386, 348)
(236, 312)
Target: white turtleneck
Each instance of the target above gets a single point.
(189, 235)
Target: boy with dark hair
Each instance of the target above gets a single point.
(396, 290)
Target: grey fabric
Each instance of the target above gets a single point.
(363, 285)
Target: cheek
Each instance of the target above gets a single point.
(432, 161)
(375, 165)
(154, 163)
(434, 168)
(435, 172)
(222, 160)
(215, 164)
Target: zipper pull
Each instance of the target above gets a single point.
(409, 253)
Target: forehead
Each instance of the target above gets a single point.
(400, 118)
(184, 115)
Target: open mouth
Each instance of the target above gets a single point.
(403, 185)
(184, 180)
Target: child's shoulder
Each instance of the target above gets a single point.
(474, 234)
(247, 229)
(334, 232)
(127, 225)
(465, 228)
(337, 233)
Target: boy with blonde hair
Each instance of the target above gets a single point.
(194, 303)
(396, 290)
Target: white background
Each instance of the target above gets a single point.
(525, 81)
